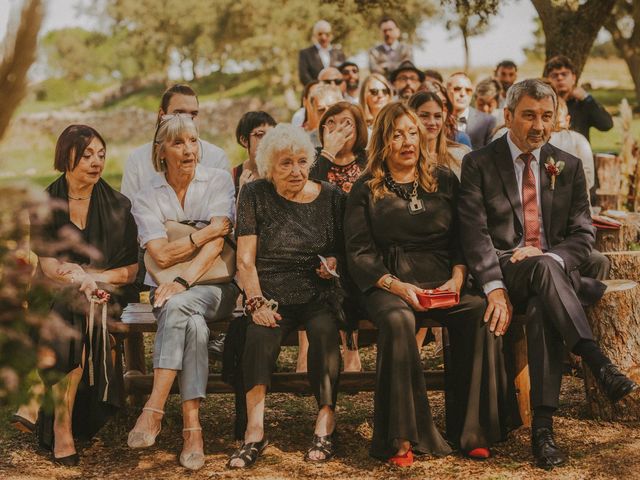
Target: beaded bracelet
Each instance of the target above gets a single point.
(254, 304)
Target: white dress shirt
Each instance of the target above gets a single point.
(211, 193)
(139, 171)
(518, 165)
(462, 126)
(325, 55)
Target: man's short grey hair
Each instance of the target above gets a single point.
(319, 24)
(532, 87)
(168, 131)
(323, 91)
(284, 138)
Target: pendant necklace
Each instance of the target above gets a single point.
(416, 205)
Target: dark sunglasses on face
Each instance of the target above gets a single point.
(335, 81)
(374, 92)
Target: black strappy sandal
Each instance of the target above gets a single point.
(248, 453)
(323, 445)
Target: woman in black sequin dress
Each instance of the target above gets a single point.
(284, 222)
(401, 237)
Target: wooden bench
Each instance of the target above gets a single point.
(138, 319)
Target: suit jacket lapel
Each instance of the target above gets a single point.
(546, 194)
(506, 169)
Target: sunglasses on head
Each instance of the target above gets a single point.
(376, 91)
(335, 81)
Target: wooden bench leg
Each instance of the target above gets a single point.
(522, 380)
(134, 362)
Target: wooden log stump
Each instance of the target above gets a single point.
(615, 321)
(622, 239)
(624, 265)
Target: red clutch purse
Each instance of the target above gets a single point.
(438, 298)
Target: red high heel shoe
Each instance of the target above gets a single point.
(480, 453)
(405, 460)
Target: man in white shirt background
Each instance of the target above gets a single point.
(138, 169)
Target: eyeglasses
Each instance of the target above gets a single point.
(407, 78)
(374, 92)
(334, 81)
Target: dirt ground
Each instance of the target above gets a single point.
(598, 450)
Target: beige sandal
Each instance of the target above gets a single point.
(144, 439)
(192, 460)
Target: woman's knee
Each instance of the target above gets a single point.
(197, 329)
(396, 321)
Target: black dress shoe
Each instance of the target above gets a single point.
(216, 346)
(68, 461)
(615, 384)
(545, 451)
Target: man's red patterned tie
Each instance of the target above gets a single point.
(530, 203)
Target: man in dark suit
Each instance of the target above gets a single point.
(319, 55)
(527, 237)
(478, 125)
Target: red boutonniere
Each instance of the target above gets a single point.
(553, 169)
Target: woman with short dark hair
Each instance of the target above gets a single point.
(90, 214)
(249, 131)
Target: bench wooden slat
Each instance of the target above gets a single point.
(286, 382)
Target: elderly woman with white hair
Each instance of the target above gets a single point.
(184, 191)
(285, 223)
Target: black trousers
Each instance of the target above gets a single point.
(555, 316)
(477, 377)
(262, 347)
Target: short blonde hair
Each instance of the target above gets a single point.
(168, 130)
(283, 138)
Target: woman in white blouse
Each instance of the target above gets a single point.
(183, 191)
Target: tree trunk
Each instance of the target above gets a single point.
(624, 265)
(465, 40)
(629, 48)
(569, 30)
(615, 322)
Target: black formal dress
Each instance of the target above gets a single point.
(112, 234)
(291, 235)
(383, 237)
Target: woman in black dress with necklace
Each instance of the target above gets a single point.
(401, 237)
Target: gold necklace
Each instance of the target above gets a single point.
(78, 198)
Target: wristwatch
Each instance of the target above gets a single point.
(182, 282)
(388, 280)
